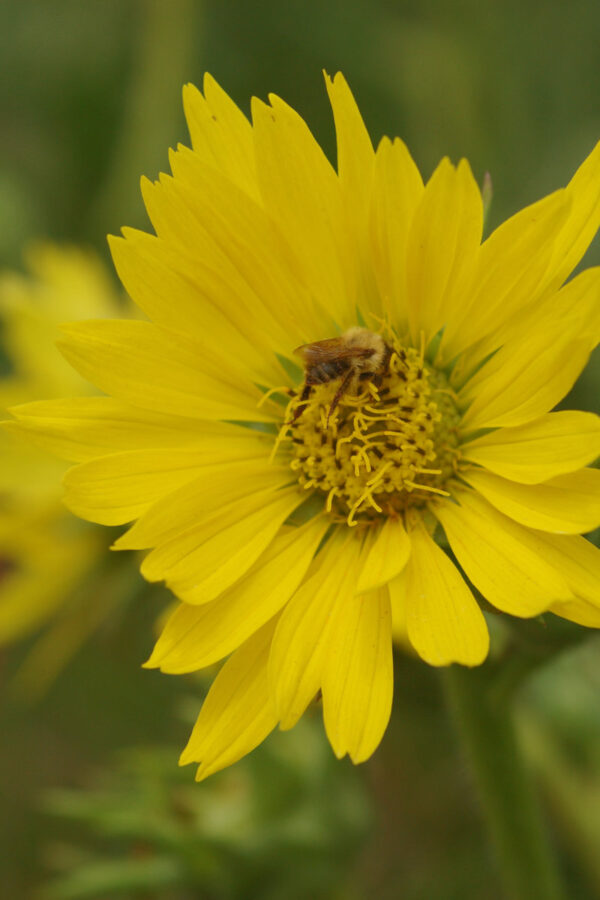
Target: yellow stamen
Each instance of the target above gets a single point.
(278, 441)
(427, 487)
(386, 448)
(334, 492)
(361, 453)
(268, 394)
(380, 473)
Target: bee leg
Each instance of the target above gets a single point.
(385, 365)
(339, 394)
(302, 405)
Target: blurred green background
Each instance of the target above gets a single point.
(92, 802)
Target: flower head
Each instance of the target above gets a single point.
(292, 501)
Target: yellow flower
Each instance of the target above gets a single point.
(296, 521)
(44, 551)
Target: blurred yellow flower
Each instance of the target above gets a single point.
(44, 551)
(299, 533)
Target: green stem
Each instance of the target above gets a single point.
(486, 727)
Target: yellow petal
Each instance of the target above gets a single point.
(221, 134)
(397, 192)
(567, 504)
(442, 247)
(232, 238)
(210, 304)
(572, 313)
(576, 306)
(358, 676)
(556, 443)
(525, 378)
(143, 366)
(302, 193)
(510, 268)
(398, 600)
(578, 611)
(198, 636)
(354, 149)
(578, 561)
(115, 489)
(582, 223)
(83, 428)
(206, 560)
(497, 557)
(237, 714)
(303, 637)
(444, 622)
(215, 493)
(385, 554)
(356, 160)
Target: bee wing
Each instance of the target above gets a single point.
(332, 348)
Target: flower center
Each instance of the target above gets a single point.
(390, 443)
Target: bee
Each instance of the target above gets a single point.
(358, 355)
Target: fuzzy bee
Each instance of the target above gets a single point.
(358, 354)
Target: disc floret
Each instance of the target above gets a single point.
(391, 443)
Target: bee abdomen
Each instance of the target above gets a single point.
(327, 371)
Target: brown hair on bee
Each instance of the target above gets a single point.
(358, 354)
